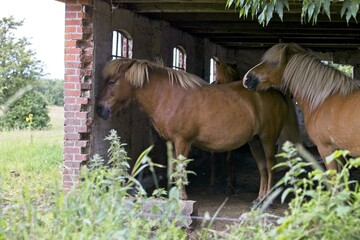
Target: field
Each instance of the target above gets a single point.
(32, 159)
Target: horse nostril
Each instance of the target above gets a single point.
(99, 110)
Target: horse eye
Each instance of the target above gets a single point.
(111, 81)
(274, 64)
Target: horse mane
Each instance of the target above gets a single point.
(307, 77)
(137, 73)
(227, 72)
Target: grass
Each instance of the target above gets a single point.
(32, 159)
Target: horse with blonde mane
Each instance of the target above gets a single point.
(187, 111)
(327, 97)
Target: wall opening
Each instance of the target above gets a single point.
(179, 58)
(122, 44)
(347, 69)
(213, 61)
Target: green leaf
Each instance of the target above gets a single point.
(269, 12)
(286, 193)
(310, 10)
(354, 9)
(344, 7)
(326, 7)
(279, 8)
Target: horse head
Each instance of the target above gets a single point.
(115, 91)
(226, 72)
(269, 72)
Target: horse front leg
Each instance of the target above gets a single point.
(182, 148)
(270, 151)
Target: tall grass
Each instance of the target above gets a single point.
(32, 159)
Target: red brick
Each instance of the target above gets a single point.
(82, 100)
(72, 93)
(72, 78)
(70, 143)
(72, 121)
(73, 22)
(69, 115)
(81, 115)
(70, 15)
(69, 129)
(68, 157)
(82, 157)
(72, 8)
(82, 143)
(72, 107)
(70, 100)
(81, 129)
(73, 136)
(72, 36)
(75, 150)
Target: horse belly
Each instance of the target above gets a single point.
(224, 138)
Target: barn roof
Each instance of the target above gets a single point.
(210, 19)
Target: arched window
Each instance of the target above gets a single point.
(179, 58)
(121, 45)
(213, 61)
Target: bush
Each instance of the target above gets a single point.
(324, 204)
(30, 112)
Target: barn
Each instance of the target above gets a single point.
(184, 34)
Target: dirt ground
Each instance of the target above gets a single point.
(246, 189)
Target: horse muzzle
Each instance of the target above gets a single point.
(250, 81)
(103, 111)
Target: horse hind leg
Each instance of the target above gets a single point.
(257, 151)
(211, 188)
(230, 177)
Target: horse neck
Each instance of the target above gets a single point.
(154, 94)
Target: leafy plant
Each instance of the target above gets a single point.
(31, 103)
(263, 10)
(100, 208)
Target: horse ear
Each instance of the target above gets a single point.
(127, 64)
(216, 60)
(289, 50)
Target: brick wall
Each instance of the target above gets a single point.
(78, 84)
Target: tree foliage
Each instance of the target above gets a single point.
(19, 72)
(263, 9)
(52, 89)
(18, 66)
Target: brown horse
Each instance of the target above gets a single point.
(187, 111)
(327, 97)
(226, 72)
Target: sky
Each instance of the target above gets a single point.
(44, 27)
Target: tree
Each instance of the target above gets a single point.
(19, 71)
(264, 9)
(18, 66)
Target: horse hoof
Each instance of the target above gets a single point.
(256, 204)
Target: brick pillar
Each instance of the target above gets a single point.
(77, 89)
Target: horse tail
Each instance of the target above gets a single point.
(291, 130)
